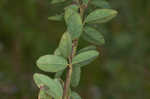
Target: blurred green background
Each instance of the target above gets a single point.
(121, 72)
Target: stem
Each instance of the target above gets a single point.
(67, 84)
(69, 69)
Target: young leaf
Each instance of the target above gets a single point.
(65, 46)
(93, 36)
(85, 58)
(75, 78)
(100, 16)
(74, 23)
(75, 95)
(57, 1)
(43, 95)
(50, 86)
(56, 18)
(88, 48)
(51, 63)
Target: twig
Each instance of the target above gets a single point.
(69, 69)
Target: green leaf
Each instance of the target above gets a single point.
(51, 63)
(75, 78)
(91, 47)
(85, 58)
(68, 13)
(43, 95)
(65, 45)
(50, 86)
(57, 1)
(56, 18)
(100, 3)
(101, 16)
(57, 52)
(93, 36)
(75, 95)
(74, 23)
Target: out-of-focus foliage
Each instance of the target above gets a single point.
(26, 34)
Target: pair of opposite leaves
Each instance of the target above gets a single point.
(53, 63)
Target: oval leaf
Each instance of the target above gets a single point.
(65, 46)
(85, 58)
(74, 23)
(51, 63)
(101, 16)
(93, 36)
(50, 86)
(76, 74)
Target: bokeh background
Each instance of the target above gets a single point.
(121, 72)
